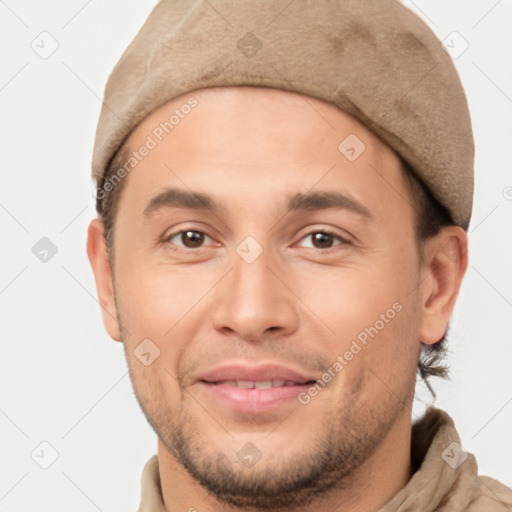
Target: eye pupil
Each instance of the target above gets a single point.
(324, 239)
(195, 237)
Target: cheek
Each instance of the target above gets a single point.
(349, 300)
(158, 305)
(370, 312)
(160, 300)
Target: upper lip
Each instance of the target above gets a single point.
(255, 373)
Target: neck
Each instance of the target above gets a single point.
(373, 484)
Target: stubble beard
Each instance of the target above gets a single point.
(346, 439)
(331, 461)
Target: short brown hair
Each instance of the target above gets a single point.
(107, 198)
(430, 217)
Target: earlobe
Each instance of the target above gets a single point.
(97, 253)
(446, 261)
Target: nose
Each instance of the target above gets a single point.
(255, 300)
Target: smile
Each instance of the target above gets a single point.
(263, 384)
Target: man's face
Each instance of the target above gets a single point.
(270, 286)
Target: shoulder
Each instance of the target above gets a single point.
(491, 496)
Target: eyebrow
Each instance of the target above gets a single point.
(177, 198)
(324, 200)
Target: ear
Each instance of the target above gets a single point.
(446, 261)
(97, 252)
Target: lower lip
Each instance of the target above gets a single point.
(253, 400)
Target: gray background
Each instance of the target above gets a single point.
(63, 381)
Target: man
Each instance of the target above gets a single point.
(284, 190)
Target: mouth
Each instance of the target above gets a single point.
(254, 389)
(254, 396)
(262, 384)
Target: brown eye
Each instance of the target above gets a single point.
(323, 240)
(188, 239)
(192, 238)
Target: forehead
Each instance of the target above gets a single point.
(252, 144)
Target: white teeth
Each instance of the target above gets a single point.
(264, 384)
(245, 384)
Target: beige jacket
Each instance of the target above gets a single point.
(445, 479)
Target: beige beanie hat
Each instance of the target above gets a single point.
(374, 59)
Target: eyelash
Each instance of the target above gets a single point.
(343, 241)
